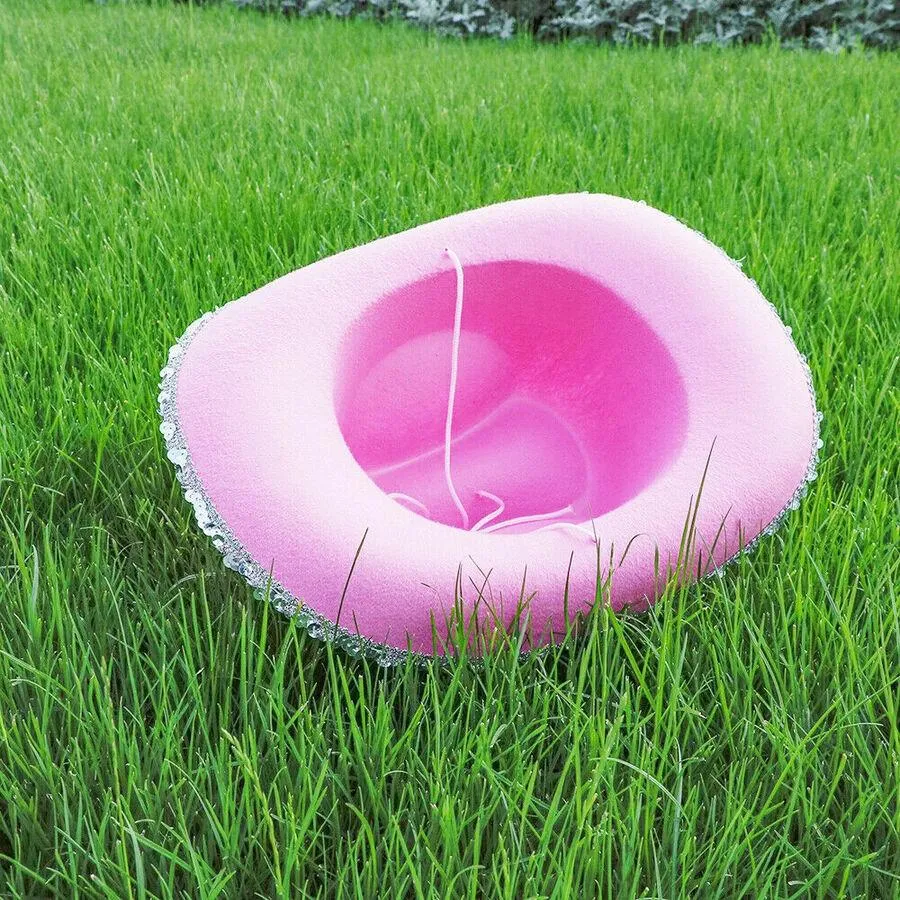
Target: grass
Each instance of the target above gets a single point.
(163, 734)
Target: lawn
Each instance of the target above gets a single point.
(165, 734)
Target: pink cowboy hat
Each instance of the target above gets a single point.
(461, 413)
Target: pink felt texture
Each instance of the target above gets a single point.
(604, 347)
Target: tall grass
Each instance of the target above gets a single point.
(162, 734)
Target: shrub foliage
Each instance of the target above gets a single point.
(820, 24)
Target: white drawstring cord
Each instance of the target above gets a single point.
(491, 515)
(482, 524)
(454, 370)
(525, 520)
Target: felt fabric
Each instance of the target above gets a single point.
(604, 348)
